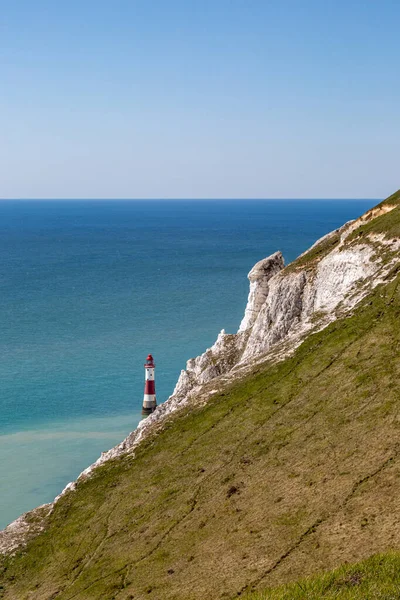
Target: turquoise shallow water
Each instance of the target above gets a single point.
(88, 288)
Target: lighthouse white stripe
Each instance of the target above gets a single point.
(149, 400)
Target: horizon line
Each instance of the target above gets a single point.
(195, 199)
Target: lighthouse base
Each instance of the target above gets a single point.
(147, 410)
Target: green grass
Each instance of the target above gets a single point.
(290, 471)
(314, 255)
(387, 224)
(393, 199)
(377, 578)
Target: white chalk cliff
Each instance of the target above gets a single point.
(284, 305)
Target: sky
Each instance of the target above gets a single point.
(199, 99)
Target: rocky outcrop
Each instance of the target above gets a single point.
(299, 300)
(228, 348)
(286, 303)
(259, 277)
(24, 528)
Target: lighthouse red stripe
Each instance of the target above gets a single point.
(149, 387)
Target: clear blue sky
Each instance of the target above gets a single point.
(199, 98)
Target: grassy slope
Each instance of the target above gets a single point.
(377, 578)
(393, 199)
(291, 471)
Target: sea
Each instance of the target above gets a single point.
(89, 288)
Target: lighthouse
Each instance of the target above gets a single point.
(149, 398)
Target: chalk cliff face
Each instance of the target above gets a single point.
(259, 277)
(296, 298)
(284, 304)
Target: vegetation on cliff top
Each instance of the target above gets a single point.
(387, 224)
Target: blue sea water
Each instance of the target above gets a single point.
(89, 288)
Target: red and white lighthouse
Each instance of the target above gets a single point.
(149, 398)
